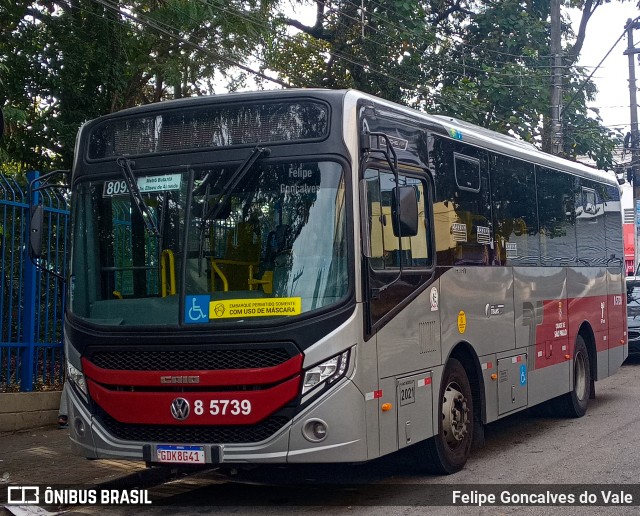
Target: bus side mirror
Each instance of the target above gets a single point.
(35, 230)
(405, 224)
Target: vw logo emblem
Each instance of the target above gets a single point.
(180, 409)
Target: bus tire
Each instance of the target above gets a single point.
(574, 403)
(447, 452)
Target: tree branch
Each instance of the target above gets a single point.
(587, 11)
(454, 8)
(317, 30)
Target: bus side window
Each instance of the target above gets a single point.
(386, 251)
(385, 246)
(515, 211)
(590, 226)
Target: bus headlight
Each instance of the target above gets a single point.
(327, 372)
(76, 377)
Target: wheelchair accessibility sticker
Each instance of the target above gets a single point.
(523, 374)
(200, 308)
(196, 309)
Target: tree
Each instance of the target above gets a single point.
(514, 38)
(486, 62)
(76, 60)
(63, 62)
(384, 48)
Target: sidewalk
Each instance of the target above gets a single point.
(43, 456)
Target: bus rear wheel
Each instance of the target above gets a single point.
(448, 451)
(574, 403)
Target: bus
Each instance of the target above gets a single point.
(323, 276)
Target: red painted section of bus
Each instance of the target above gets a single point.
(205, 408)
(552, 334)
(562, 319)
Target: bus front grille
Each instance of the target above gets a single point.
(190, 360)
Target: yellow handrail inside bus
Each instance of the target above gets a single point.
(216, 270)
(167, 258)
(266, 282)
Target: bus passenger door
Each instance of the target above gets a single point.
(400, 314)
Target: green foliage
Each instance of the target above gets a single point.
(381, 53)
(63, 62)
(485, 62)
(503, 57)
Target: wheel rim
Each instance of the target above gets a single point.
(580, 376)
(455, 415)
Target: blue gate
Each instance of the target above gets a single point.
(31, 301)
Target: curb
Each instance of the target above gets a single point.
(28, 410)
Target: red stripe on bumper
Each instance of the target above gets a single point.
(155, 407)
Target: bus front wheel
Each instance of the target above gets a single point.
(449, 449)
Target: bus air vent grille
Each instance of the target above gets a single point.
(194, 433)
(201, 360)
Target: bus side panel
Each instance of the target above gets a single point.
(541, 329)
(587, 293)
(617, 301)
(409, 343)
(476, 306)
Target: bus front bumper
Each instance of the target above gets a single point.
(342, 410)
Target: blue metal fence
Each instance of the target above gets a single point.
(31, 301)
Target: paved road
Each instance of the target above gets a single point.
(599, 449)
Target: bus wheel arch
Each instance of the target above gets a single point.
(460, 411)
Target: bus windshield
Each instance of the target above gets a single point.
(272, 246)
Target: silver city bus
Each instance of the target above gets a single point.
(324, 276)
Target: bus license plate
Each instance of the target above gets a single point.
(180, 454)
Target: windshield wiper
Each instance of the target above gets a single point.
(236, 177)
(149, 222)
